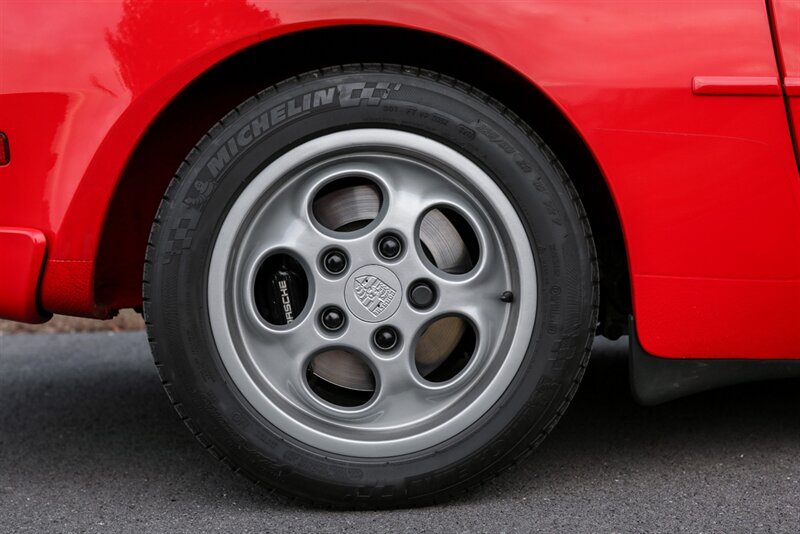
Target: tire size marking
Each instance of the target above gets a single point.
(490, 134)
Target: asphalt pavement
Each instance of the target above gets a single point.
(89, 443)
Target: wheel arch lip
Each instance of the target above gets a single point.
(78, 232)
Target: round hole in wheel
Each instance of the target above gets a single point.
(444, 348)
(347, 204)
(448, 241)
(341, 377)
(281, 289)
(329, 415)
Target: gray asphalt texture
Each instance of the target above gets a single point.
(89, 443)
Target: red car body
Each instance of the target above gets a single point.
(689, 113)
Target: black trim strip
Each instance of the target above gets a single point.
(781, 77)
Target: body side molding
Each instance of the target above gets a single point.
(736, 85)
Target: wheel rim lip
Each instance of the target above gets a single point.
(220, 273)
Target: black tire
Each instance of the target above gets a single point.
(195, 205)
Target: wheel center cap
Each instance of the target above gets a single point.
(373, 293)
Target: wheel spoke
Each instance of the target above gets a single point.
(402, 396)
(289, 228)
(413, 190)
(282, 356)
(480, 294)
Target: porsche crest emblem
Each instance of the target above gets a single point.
(373, 293)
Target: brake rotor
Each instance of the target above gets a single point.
(445, 244)
(350, 207)
(342, 209)
(343, 369)
(437, 343)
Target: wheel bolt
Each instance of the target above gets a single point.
(422, 295)
(389, 247)
(332, 318)
(335, 262)
(385, 338)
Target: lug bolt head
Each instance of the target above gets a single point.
(332, 319)
(385, 338)
(422, 295)
(335, 262)
(390, 247)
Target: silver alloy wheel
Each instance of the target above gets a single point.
(269, 363)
